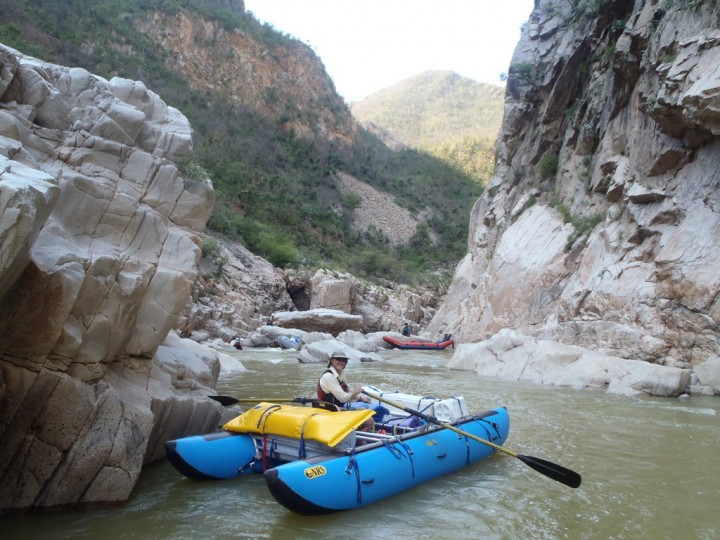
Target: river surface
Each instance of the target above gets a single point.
(650, 468)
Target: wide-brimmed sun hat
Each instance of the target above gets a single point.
(337, 355)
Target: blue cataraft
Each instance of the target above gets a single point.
(316, 461)
(383, 467)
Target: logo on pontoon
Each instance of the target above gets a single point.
(314, 472)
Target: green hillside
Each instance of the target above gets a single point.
(275, 186)
(452, 117)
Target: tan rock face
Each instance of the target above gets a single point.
(273, 77)
(98, 253)
(616, 248)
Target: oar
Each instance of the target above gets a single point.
(549, 469)
(229, 400)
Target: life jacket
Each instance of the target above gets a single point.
(329, 397)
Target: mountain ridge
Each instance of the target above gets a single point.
(427, 94)
(450, 116)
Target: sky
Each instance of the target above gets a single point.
(369, 45)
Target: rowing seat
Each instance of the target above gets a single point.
(324, 405)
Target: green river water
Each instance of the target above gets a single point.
(651, 469)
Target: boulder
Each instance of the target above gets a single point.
(512, 356)
(708, 374)
(319, 352)
(359, 341)
(329, 292)
(273, 332)
(330, 321)
(379, 343)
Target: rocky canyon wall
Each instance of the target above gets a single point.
(601, 227)
(98, 253)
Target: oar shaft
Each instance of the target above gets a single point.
(229, 400)
(275, 400)
(478, 439)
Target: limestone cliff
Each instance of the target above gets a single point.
(98, 253)
(601, 227)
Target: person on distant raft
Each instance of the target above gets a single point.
(406, 329)
(333, 388)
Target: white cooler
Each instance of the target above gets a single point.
(445, 410)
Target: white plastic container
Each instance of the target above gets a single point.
(445, 410)
(449, 410)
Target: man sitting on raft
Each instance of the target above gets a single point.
(333, 388)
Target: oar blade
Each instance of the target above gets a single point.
(225, 400)
(552, 470)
